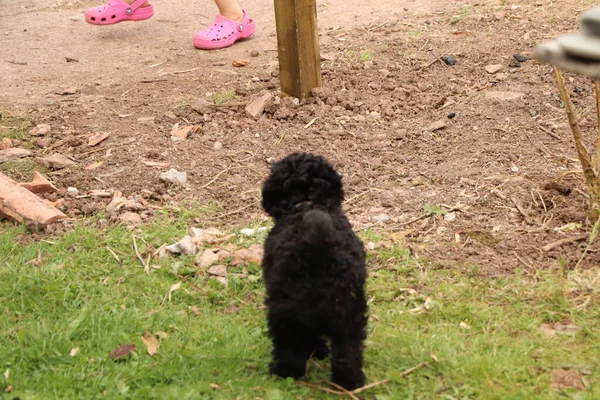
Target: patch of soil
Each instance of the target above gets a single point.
(473, 192)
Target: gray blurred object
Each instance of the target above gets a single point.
(576, 52)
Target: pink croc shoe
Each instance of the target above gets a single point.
(224, 32)
(116, 11)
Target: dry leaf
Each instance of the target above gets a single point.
(151, 342)
(567, 379)
(464, 325)
(9, 389)
(428, 303)
(210, 235)
(74, 351)
(94, 165)
(97, 138)
(171, 290)
(7, 373)
(240, 63)
(195, 310)
(122, 351)
(184, 132)
(560, 328)
(162, 335)
(433, 357)
(214, 386)
(156, 164)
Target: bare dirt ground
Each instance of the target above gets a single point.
(473, 193)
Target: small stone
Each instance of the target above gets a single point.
(521, 58)
(504, 96)
(381, 218)
(254, 53)
(43, 142)
(451, 216)
(451, 115)
(498, 16)
(130, 218)
(207, 258)
(501, 77)
(68, 91)
(387, 199)
(171, 115)
(146, 120)
(450, 60)
(40, 130)
(493, 69)
(57, 161)
(255, 108)
(72, 191)
(202, 106)
(218, 270)
(174, 176)
(6, 144)
(436, 126)
(218, 145)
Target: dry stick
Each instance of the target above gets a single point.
(549, 132)
(597, 90)
(139, 256)
(113, 254)
(590, 173)
(366, 387)
(520, 208)
(239, 210)
(324, 389)
(560, 242)
(405, 373)
(219, 174)
(343, 390)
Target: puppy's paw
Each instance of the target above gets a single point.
(287, 369)
(349, 379)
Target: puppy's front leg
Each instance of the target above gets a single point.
(346, 362)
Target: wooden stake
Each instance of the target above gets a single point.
(597, 90)
(298, 47)
(590, 173)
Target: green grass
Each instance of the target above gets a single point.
(13, 125)
(223, 96)
(22, 170)
(79, 296)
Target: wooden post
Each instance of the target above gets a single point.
(298, 47)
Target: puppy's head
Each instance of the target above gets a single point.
(301, 178)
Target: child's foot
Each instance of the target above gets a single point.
(224, 32)
(119, 10)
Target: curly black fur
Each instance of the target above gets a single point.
(314, 269)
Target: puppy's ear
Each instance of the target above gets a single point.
(325, 184)
(274, 198)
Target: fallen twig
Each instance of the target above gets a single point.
(561, 242)
(549, 132)
(364, 388)
(113, 254)
(213, 180)
(521, 210)
(139, 256)
(343, 390)
(239, 210)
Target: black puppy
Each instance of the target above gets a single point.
(314, 269)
